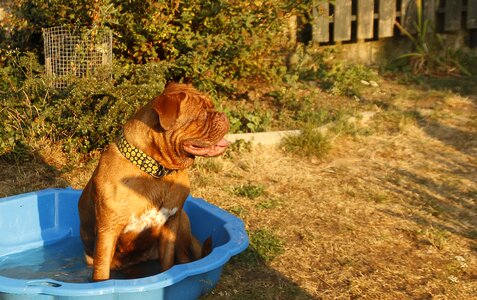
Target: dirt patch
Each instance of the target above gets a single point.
(389, 215)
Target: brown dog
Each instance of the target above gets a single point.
(131, 208)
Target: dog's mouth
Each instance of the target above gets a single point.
(200, 148)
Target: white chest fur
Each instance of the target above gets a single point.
(151, 218)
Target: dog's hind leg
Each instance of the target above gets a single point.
(188, 247)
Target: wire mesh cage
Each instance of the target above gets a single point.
(77, 53)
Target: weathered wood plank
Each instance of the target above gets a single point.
(409, 15)
(342, 20)
(453, 15)
(429, 11)
(387, 16)
(365, 19)
(471, 14)
(321, 22)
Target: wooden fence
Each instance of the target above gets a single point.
(354, 20)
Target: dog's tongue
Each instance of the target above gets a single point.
(223, 143)
(218, 148)
(213, 150)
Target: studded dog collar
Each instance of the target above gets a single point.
(146, 163)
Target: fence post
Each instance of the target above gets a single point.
(321, 22)
(453, 15)
(365, 19)
(471, 14)
(408, 15)
(387, 15)
(342, 20)
(429, 11)
(472, 22)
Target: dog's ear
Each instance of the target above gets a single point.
(167, 108)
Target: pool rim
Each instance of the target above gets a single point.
(220, 255)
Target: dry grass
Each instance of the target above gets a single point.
(387, 215)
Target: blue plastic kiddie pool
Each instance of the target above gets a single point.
(41, 255)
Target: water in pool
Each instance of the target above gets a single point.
(62, 261)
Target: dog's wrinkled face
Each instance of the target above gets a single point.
(192, 126)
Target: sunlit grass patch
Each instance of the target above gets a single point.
(395, 122)
(209, 165)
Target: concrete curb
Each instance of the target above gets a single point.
(275, 137)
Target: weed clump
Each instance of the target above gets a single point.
(309, 143)
(249, 191)
(266, 244)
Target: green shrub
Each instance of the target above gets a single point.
(341, 78)
(242, 120)
(296, 110)
(85, 116)
(307, 63)
(346, 79)
(89, 114)
(20, 95)
(206, 42)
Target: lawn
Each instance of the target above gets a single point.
(389, 211)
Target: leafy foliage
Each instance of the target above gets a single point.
(85, 116)
(212, 44)
(209, 43)
(222, 47)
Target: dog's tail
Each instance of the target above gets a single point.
(198, 250)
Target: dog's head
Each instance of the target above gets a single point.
(190, 123)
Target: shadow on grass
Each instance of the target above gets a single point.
(246, 276)
(464, 85)
(446, 196)
(460, 140)
(25, 170)
(442, 190)
(452, 208)
(438, 208)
